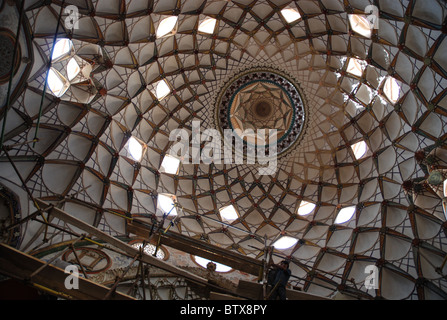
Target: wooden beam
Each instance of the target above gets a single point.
(21, 266)
(131, 251)
(254, 291)
(117, 281)
(199, 248)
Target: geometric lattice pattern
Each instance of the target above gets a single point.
(386, 88)
(263, 98)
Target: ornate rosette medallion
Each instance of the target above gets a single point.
(262, 99)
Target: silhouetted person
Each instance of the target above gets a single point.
(278, 278)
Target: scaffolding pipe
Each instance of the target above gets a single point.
(48, 72)
(140, 274)
(303, 265)
(11, 72)
(141, 269)
(300, 264)
(12, 146)
(53, 259)
(78, 260)
(113, 288)
(19, 265)
(32, 216)
(221, 222)
(148, 272)
(52, 292)
(91, 230)
(23, 182)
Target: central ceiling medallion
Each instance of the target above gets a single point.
(263, 99)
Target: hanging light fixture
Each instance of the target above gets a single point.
(437, 180)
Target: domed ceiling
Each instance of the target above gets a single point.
(365, 134)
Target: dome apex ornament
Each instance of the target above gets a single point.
(262, 98)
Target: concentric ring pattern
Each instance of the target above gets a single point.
(383, 89)
(262, 99)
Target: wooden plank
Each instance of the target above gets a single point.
(21, 266)
(131, 251)
(250, 290)
(253, 290)
(223, 296)
(200, 248)
(300, 295)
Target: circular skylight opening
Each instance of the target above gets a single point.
(204, 263)
(229, 213)
(135, 149)
(73, 69)
(166, 204)
(345, 215)
(291, 15)
(166, 26)
(170, 164)
(391, 89)
(285, 243)
(62, 48)
(355, 67)
(359, 149)
(162, 90)
(306, 208)
(263, 108)
(360, 24)
(207, 25)
(57, 83)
